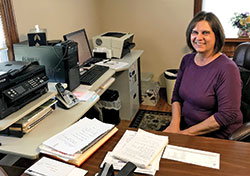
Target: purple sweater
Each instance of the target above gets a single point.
(213, 89)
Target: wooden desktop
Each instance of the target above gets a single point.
(234, 156)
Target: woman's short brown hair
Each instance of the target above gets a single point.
(214, 24)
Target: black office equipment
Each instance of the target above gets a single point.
(60, 60)
(85, 56)
(127, 170)
(66, 98)
(91, 75)
(28, 83)
(84, 51)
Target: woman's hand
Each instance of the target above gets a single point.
(186, 132)
(172, 129)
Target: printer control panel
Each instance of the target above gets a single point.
(25, 87)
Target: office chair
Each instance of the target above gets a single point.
(242, 59)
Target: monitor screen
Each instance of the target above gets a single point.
(84, 51)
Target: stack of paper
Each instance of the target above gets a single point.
(78, 142)
(85, 95)
(31, 120)
(142, 148)
(46, 166)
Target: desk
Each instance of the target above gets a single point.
(27, 146)
(234, 156)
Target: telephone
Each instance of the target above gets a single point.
(66, 98)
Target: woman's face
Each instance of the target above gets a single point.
(203, 38)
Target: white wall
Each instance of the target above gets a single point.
(159, 25)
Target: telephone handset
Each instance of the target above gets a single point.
(66, 98)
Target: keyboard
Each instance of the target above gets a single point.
(91, 75)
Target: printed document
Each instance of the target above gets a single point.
(49, 167)
(142, 149)
(78, 136)
(192, 156)
(116, 65)
(118, 164)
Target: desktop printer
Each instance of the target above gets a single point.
(117, 44)
(20, 83)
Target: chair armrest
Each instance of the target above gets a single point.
(241, 133)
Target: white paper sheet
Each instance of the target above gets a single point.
(142, 149)
(77, 136)
(49, 167)
(86, 96)
(118, 164)
(192, 156)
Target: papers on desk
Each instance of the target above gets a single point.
(142, 148)
(83, 94)
(79, 141)
(116, 65)
(49, 167)
(192, 156)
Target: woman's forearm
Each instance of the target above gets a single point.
(176, 113)
(204, 127)
(174, 126)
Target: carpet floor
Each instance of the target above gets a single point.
(151, 120)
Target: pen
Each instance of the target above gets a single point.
(34, 173)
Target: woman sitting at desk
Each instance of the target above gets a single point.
(207, 94)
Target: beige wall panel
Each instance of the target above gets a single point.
(159, 25)
(57, 16)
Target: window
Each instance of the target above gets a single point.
(224, 10)
(8, 30)
(3, 47)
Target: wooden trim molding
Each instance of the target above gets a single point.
(9, 24)
(197, 6)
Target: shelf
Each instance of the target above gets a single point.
(231, 44)
(12, 118)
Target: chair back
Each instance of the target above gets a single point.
(242, 59)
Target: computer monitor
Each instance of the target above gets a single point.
(84, 51)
